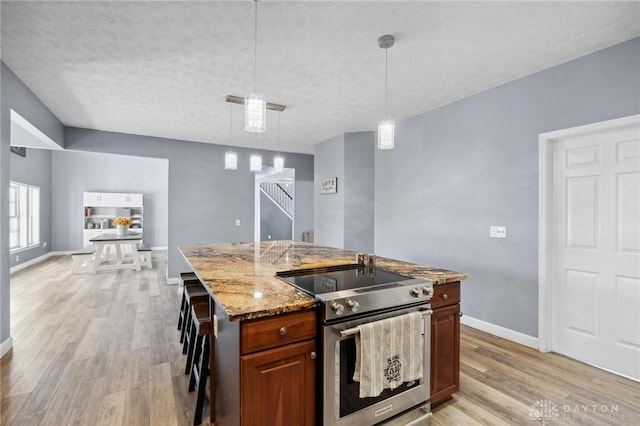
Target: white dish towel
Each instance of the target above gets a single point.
(388, 353)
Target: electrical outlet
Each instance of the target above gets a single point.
(237, 222)
(268, 237)
(498, 231)
(17, 258)
(44, 244)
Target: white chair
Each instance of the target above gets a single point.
(144, 254)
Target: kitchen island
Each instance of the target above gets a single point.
(267, 328)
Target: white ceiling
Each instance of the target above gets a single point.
(164, 68)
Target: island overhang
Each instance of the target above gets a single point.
(241, 277)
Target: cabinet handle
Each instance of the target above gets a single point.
(460, 314)
(445, 296)
(283, 331)
(314, 355)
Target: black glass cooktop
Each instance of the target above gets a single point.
(341, 278)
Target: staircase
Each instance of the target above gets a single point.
(280, 197)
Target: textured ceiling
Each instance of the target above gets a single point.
(164, 68)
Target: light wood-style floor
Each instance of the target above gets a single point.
(103, 349)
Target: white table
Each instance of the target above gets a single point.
(131, 239)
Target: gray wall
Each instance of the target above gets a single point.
(35, 169)
(274, 223)
(77, 172)
(359, 191)
(345, 219)
(329, 208)
(204, 199)
(15, 95)
(474, 163)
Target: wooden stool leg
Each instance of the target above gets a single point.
(181, 315)
(186, 329)
(202, 381)
(195, 361)
(195, 341)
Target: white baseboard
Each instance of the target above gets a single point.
(30, 262)
(6, 346)
(505, 333)
(159, 248)
(173, 281)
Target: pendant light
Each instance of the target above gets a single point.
(386, 128)
(278, 160)
(231, 157)
(255, 105)
(255, 161)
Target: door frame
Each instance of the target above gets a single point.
(546, 227)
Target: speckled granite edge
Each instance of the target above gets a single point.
(241, 277)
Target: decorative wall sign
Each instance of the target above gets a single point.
(20, 150)
(329, 185)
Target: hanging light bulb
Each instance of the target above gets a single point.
(230, 157)
(278, 160)
(386, 128)
(230, 160)
(278, 163)
(255, 105)
(255, 163)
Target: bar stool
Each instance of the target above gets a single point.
(192, 296)
(199, 325)
(200, 365)
(190, 285)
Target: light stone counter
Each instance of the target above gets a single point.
(241, 277)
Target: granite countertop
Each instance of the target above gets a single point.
(241, 276)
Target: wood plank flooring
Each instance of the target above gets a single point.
(103, 350)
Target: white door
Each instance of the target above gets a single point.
(596, 277)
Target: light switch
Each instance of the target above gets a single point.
(237, 222)
(498, 231)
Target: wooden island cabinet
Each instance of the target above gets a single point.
(445, 341)
(276, 364)
(264, 363)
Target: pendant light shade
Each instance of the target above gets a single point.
(255, 113)
(230, 157)
(255, 163)
(278, 160)
(386, 128)
(230, 160)
(278, 163)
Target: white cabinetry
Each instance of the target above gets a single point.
(98, 199)
(129, 200)
(101, 208)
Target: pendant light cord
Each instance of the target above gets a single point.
(279, 133)
(255, 50)
(230, 125)
(386, 79)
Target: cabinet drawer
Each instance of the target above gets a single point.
(445, 294)
(279, 330)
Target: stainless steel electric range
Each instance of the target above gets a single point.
(352, 295)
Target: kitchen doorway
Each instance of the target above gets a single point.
(589, 247)
(274, 205)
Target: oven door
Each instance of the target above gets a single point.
(341, 400)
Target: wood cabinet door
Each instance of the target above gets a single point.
(445, 352)
(278, 386)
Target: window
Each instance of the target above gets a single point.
(24, 216)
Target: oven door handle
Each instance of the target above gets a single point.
(356, 330)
